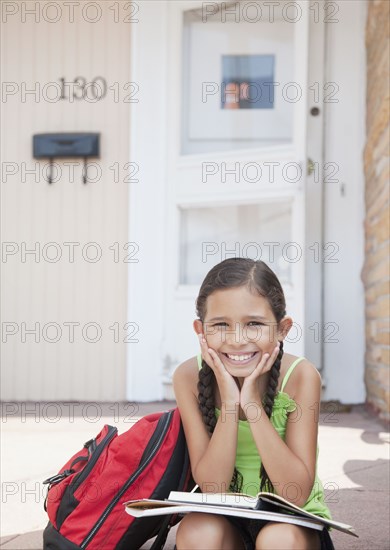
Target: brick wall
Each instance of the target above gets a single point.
(375, 274)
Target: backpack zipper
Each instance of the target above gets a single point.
(112, 431)
(165, 424)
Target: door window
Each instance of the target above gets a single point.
(238, 89)
(257, 231)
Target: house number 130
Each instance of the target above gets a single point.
(81, 89)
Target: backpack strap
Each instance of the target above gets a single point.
(162, 536)
(289, 371)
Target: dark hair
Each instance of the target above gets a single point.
(260, 279)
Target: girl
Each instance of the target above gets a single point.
(249, 412)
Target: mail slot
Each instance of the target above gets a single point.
(66, 145)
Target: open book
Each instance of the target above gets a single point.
(266, 506)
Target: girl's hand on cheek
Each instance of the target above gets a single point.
(249, 391)
(228, 388)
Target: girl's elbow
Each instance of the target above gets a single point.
(207, 485)
(304, 488)
(303, 496)
(301, 501)
(212, 487)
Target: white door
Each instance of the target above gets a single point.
(237, 115)
(237, 155)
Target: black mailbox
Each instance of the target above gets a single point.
(66, 145)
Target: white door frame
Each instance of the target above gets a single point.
(147, 202)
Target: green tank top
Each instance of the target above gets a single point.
(247, 456)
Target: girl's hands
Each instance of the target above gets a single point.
(249, 391)
(228, 388)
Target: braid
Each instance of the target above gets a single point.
(265, 482)
(206, 385)
(206, 401)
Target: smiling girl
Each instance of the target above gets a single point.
(249, 412)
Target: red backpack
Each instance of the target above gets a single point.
(85, 499)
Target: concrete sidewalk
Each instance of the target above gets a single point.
(37, 439)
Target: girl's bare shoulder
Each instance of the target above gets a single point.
(304, 370)
(186, 375)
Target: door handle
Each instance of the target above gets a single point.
(310, 167)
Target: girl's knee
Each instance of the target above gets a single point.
(290, 537)
(198, 530)
(195, 528)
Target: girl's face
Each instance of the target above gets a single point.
(241, 328)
